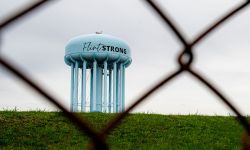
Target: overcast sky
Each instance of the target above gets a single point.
(36, 44)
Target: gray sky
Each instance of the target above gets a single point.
(37, 43)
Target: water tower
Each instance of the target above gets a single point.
(98, 63)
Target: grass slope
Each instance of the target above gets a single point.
(50, 130)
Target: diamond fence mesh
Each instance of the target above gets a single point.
(184, 61)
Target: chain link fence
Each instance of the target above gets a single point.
(184, 61)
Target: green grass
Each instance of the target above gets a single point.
(50, 130)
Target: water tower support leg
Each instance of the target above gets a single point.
(118, 103)
(110, 89)
(91, 90)
(99, 90)
(83, 101)
(72, 87)
(114, 86)
(94, 86)
(105, 87)
(75, 103)
(123, 88)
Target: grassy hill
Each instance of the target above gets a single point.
(50, 130)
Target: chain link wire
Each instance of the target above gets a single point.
(184, 60)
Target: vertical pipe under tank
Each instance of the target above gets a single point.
(99, 89)
(75, 102)
(72, 86)
(118, 89)
(114, 86)
(94, 86)
(105, 87)
(83, 96)
(123, 88)
(91, 90)
(110, 90)
(120, 86)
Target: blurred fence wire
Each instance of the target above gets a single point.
(184, 61)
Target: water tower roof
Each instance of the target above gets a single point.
(99, 47)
